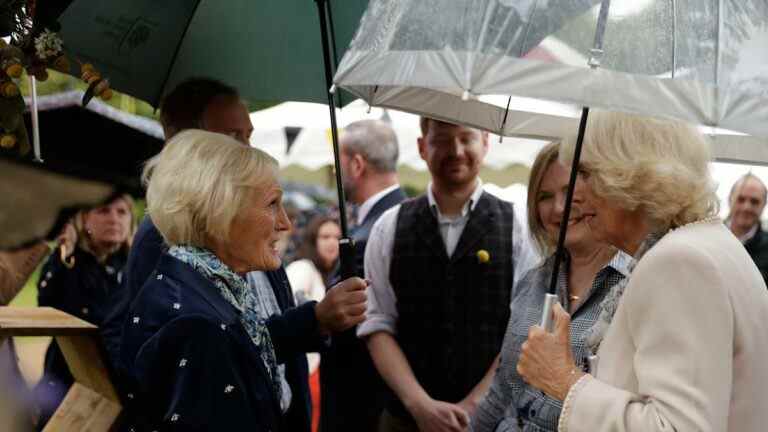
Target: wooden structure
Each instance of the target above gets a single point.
(92, 403)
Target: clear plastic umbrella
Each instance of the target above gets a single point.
(703, 62)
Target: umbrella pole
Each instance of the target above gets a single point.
(568, 201)
(551, 296)
(594, 62)
(347, 266)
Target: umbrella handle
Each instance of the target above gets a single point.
(593, 361)
(35, 121)
(69, 262)
(347, 265)
(547, 323)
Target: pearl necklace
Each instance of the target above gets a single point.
(704, 221)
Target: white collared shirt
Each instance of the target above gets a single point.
(748, 236)
(368, 204)
(382, 314)
(451, 227)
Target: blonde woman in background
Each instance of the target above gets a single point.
(81, 282)
(309, 277)
(586, 276)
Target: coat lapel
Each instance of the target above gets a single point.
(387, 201)
(428, 230)
(752, 244)
(363, 230)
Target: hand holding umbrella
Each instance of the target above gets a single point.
(546, 359)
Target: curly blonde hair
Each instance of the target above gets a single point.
(658, 166)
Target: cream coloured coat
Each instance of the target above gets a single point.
(688, 346)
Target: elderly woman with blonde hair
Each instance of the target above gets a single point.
(681, 346)
(196, 345)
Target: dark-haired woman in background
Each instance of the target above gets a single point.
(309, 275)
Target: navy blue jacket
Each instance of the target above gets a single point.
(294, 332)
(83, 291)
(191, 365)
(147, 247)
(353, 393)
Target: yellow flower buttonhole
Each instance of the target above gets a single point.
(483, 256)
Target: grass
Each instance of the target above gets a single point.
(27, 297)
(30, 350)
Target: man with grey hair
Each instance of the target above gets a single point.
(352, 392)
(747, 200)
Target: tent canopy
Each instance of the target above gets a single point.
(98, 136)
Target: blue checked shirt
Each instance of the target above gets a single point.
(511, 404)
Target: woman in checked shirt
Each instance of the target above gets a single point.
(588, 273)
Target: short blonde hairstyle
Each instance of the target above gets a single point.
(199, 183)
(658, 166)
(544, 160)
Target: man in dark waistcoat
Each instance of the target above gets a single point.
(352, 392)
(747, 200)
(442, 268)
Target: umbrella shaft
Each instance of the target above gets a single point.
(331, 107)
(560, 253)
(347, 267)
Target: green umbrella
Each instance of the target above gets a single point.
(270, 50)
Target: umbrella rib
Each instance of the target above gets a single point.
(674, 37)
(332, 34)
(717, 40)
(528, 28)
(504, 120)
(718, 53)
(501, 30)
(177, 50)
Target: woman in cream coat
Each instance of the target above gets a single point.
(682, 345)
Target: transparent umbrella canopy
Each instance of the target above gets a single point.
(704, 62)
